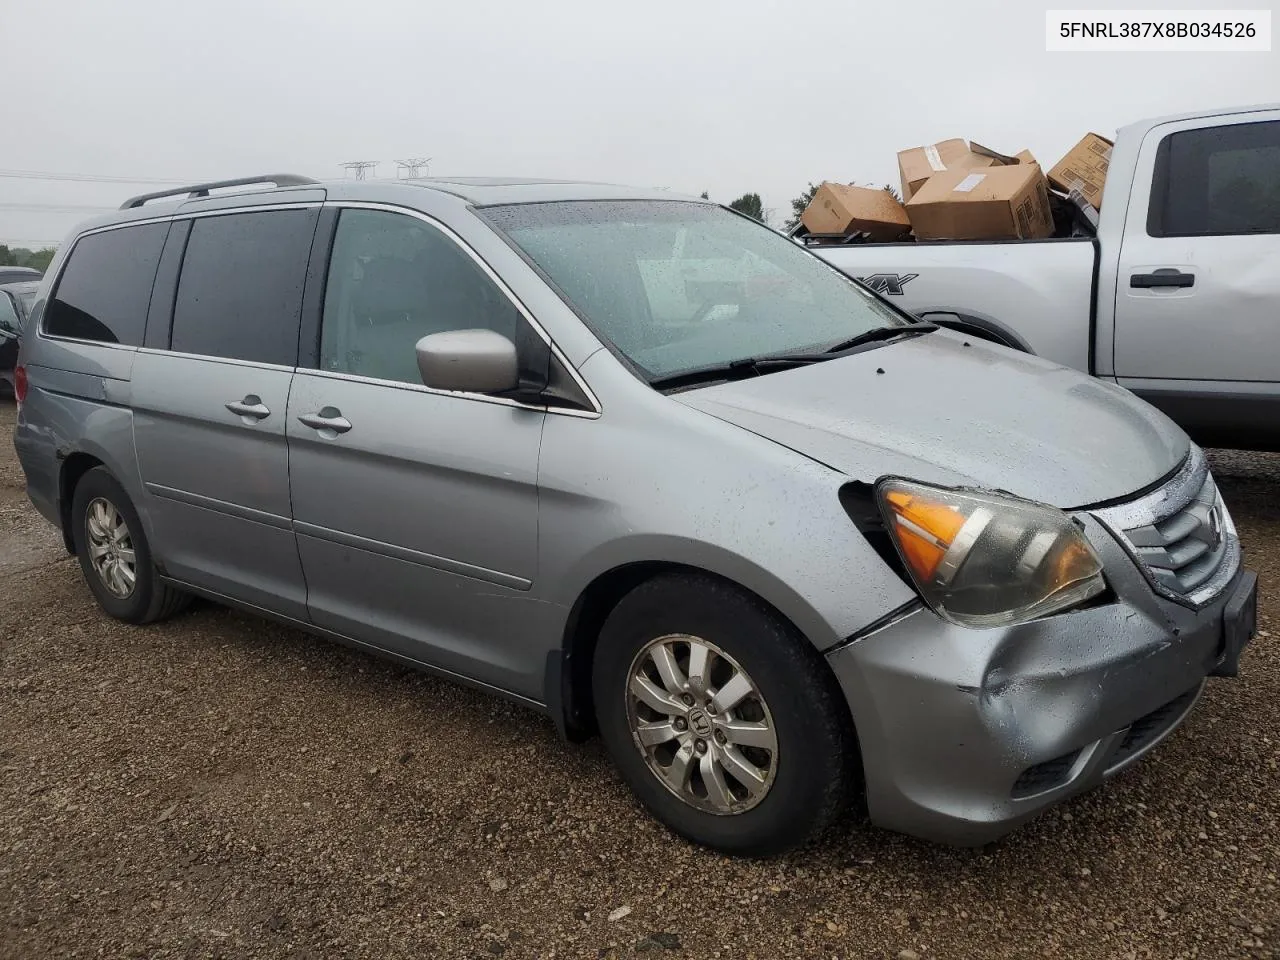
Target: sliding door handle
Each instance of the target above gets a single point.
(249, 409)
(329, 421)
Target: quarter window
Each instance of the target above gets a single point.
(106, 286)
(240, 291)
(1217, 181)
(394, 279)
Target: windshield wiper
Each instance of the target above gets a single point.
(883, 333)
(756, 366)
(735, 369)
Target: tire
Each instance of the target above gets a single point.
(145, 600)
(809, 773)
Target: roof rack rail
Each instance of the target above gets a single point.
(202, 189)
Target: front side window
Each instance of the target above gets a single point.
(677, 286)
(105, 288)
(9, 322)
(240, 291)
(1217, 181)
(26, 295)
(394, 279)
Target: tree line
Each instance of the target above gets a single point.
(750, 204)
(22, 257)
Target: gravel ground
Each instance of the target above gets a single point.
(218, 786)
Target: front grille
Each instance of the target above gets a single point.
(1181, 535)
(1184, 550)
(1147, 729)
(1044, 776)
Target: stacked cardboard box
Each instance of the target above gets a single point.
(956, 190)
(1084, 168)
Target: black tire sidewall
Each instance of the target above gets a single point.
(99, 483)
(813, 749)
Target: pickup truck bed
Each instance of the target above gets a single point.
(1177, 298)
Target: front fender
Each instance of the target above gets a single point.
(698, 492)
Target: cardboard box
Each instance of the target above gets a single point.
(843, 210)
(1085, 167)
(997, 158)
(1000, 203)
(918, 164)
(1025, 156)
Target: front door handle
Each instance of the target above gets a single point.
(250, 409)
(329, 421)
(1164, 277)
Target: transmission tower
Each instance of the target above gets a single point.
(411, 167)
(360, 167)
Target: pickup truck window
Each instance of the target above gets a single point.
(676, 286)
(1217, 181)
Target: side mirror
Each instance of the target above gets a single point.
(475, 361)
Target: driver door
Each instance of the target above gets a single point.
(416, 510)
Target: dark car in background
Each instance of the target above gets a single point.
(16, 300)
(19, 274)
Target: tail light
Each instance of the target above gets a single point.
(20, 383)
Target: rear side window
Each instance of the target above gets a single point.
(1217, 181)
(240, 291)
(103, 293)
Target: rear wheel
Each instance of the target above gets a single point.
(114, 555)
(726, 724)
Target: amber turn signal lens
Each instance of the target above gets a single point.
(929, 528)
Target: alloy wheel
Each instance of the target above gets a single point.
(111, 549)
(701, 724)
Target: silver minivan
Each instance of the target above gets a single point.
(643, 464)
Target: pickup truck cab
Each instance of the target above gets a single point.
(1177, 298)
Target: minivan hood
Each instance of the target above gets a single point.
(935, 409)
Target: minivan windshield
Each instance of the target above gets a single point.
(678, 286)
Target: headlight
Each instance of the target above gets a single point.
(986, 560)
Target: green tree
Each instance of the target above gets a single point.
(798, 205)
(705, 195)
(22, 257)
(750, 204)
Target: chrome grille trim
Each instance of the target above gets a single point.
(1181, 535)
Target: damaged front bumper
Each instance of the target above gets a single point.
(965, 733)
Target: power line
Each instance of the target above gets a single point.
(85, 177)
(53, 207)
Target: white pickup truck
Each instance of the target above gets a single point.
(1177, 297)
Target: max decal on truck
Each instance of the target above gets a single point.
(890, 284)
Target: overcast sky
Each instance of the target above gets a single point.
(722, 95)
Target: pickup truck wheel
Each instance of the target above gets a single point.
(114, 555)
(727, 725)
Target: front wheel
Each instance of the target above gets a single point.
(727, 725)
